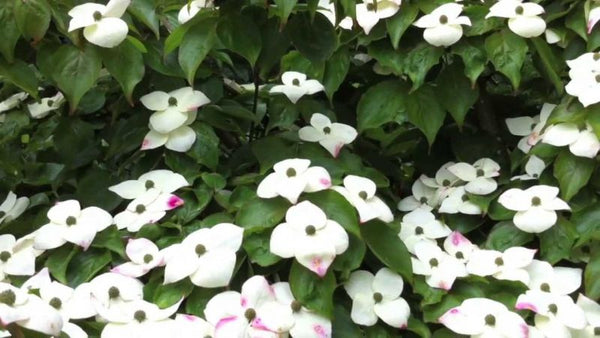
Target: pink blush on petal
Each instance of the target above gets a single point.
(526, 306)
(325, 182)
(145, 144)
(320, 331)
(224, 321)
(244, 302)
(457, 238)
(258, 324)
(174, 202)
(524, 331)
(337, 149)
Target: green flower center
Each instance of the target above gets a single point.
(326, 130)
(464, 198)
(363, 195)
(443, 19)
(433, 262)
(71, 220)
(446, 183)
(310, 230)
(371, 7)
(519, 10)
(296, 306)
(148, 258)
(459, 255)
(552, 308)
(97, 16)
(172, 101)
(598, 78)
(377, 297)
(418, 230)
(140, 208)
(200, 250)
(296, 82)
(536, 201)
(423, 200)
(596, 56)
(499, 261)
(250, 314)
(480, 172)
(291, 172)
(113, 292)
(55, 303)
(545, 287)
(5, 256)
(149, 184)
(490, 320)
(139, 315)
(50, 103)
(8, 297)
(597, 331)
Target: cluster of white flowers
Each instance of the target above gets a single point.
(584, 72)
(37, 110)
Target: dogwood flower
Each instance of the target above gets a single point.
(295, 85)
(70, 223)
(112, 289)
(591, 310)
(422, 197)
(138, 318)
(188, 326)
(421, 225)
(507, 265)
(144, 256)
(581, 141)
(102, 24)
(584, 73)
(535, 207)
(522, 17)
(556, 280)
(332, 136)
(12, 207)
(482, 317)
(377, 297)
(12, 300)
(255, 312)
(327, 8)
(593, 18)
(478, 176)
(150, 207)
(533, 169)
(307, 323)
(291, 177)
(369, 12)
(15, 258)
(458, 202)
(309, 236)
(171, 110)
(180, 140)
(192, 8)
(206, 255)
(443, 25)
(360, 192)
(439, 268)
(46, 105)
(459, 247)
(41, 317)
(164, 180)
(444, 179)
(555, 314)
(12, 101)
(529, 127)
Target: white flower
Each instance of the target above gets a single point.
(16, 257)
(507, 265)
(192, 8)
(255, 312)
(533, 169)
(41, 316)
(555, 314)
(458, 202)
(523, 18)
(12, 207)
(291, 178)
(444, 180)
(149, 208)
(102, 24)
(581, 141)
(164, 180)
(535, 207)
(369, 12)
(295, 85)
(144, 256)
(529, 127)
(188, 326)
(422, 196)
(70, 223)
(592, 316)
(459, 246)
(12, 101)
(593, 18)
(46, 105)
(181, 139)
(552, 36)
(307, 323)
(332, 136)
(419, 225)
(377, 296)
(172, 110)
(12, 301)
(556, 280)
(584, 73)
(112, 289)
(443, 25)
(439, 268)
(478, 176)
(206, 255)
(309, 236)
(360, 192)
(482, 317)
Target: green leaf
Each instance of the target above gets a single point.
(587, 225)
(556, 242)
(58, 261)
(21, 75)
(143, 10)
(196, 302)
(479, 23)
(418, 62)
(206, 148)
(342, 325)
(316, 39)
(110, 238)
(455, 92)
(397, 24)
(75, 144)
(336, 69)
(550, 64)
(126, 64)
(380, 104)
(312, 291)
(388, 247)
(473, 55)
(32, 18)
(425, 112)
(196, 44)
(9, 32)
(256, 245)
(86, 264)
(166, 295)
(507, 52)
(284, 8)
(261, 213)
(505, 235)
(591, 276)
(247, 44)
(572, 173)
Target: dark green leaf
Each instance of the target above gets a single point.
(507, 52)
(126, 64)
(556, 242)
(418, 62)
(572, 173)
(455, 92)
(382, 103)
(9, 32)
(336, 69)
(256, 245)
(166, 295)
(550, 63)
(58, 261)
(143, 10)
(206, 148)
(316, 39)
(388, 247)
(33, 18)
(312, 291)
(591, 276)
(261, 213)
(247, 44)
(85, 265)
(21, 75)
(397, 24)
(473, 56)
(196, 44)
(425, 112)
(284, 8)
(505, 235)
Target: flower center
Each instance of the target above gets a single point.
(433, 262)
(371, 7)
(97, 16)
(139, 315)
(377, 297)
(326, 130)
(71, 220)
(597, 331)
(596, 56)
(2, 213)
(200, 250)
(148, 258)
(418, 230)
(459, 255)
(423, 200)
(55, 302)
(499, 261)
(310, 230)
(443, 19)
(172, 101)
(536, 201)
(363, 195)
(446, 183)
(598, 78)
(519, 10)
(296, 306)
(140, 208)
(8, 297)
(480, 172)
(464, 198)
(50, 102)
(552, 308)
(149, 184)
(291, 172)
(545, 287)
(113, 292)
(490, 320)
(5, 256)
(250, 314)
(296, 82)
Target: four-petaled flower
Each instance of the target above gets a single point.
(443, 25)
(102, 24)
(421, 225)
(479, 176)
(360, 192)
(555, 314)
(12, 207)
(439, 268)
(523, 18)
(529, 127)
(557, 280)
(144, 256)
(584, 72)
(582, 140)
(332, 136)
(369, 12)
(46, 105)
(507, 265)
(295, 85)
(16, 257)
(164, 180)
(148, 208)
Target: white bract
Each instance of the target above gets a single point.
(592, 316)
(422, 196)
(479, 176)
(12, 301)
(529, 127)
(507, 265)
(482, 317)
(421, 225)
(309, 236)
(102, 24)
(360, 192)
(164, 180)
(188, 326)
(327, 8)
(581, 141)
(332, 136)
(444, 180)
(593, 18)
(112, 289)
(70, 223)
(255, 312)
(12, 207)
(12, 101)
(585, 78)
(144, 256)
(439, 268)
(295, 85)
(459, 246)
(148, 208)
(556, 280)
(46, 105)
(523, 18)
(555, 314)
(458, 202)
(307, 323)
(181, 139)
(552, 36)
(369, 12)
(536, 207)
(171, 110)
(206, 255)
(377, 297)
(533, 169)
(443, 25)
(291, 177)
(192, 8)
(16, 257)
